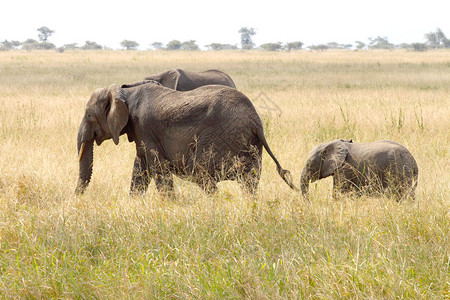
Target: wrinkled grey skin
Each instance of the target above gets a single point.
(383, 166)
(181, 80)
(206, 135)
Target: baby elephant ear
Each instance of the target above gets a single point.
(333, 156)
(117, 117)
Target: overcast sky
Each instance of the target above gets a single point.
(311, 22)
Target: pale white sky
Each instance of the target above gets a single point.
(311, 22)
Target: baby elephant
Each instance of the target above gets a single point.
(383, 166)
(182, 80)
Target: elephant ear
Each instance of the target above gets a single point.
(332, 157)
(170, 79)
(117, 116)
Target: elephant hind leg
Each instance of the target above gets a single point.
(407, 191)
(409, 186)
(164, 184)
(161, 173)
(250, 175)
(250, 182)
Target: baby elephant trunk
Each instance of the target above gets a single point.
(304, 181)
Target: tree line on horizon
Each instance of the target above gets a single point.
(434, 40)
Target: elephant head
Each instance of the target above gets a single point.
(167, 78)
(323, 161)
(105, 117)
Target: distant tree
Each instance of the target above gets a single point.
(189, 46)
(129, 45)
(333, 45)
(91, 46)
(173, 45)
(360, 45)
(9, 45)
(246, 37)
(157, 45)
(380, 43)
(44, 33)
(437, 39)
(46, 46)
(72, 46)
(271, 46)
(320, 47)
(419, 47)
(218, 46)
(30, 44)
(294, 46)
(404, 46)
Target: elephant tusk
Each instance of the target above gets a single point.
(81, 151)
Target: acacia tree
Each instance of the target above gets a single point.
(30, 44)
(88, 45)
(157, 45)
(173, 45)
(44, 33)
(129, 45)
(437, 39)
(360, 45)
(320, 47)
(189, 45)
(272, 46)
(9, 45)
(246, 37)
(219, 46)
(380, 43)
(294, 45)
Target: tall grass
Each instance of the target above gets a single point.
(106, 244)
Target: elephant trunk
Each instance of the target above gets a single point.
(86, 158)
(85, 147)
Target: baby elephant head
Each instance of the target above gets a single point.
(105, 117)
(323, 161)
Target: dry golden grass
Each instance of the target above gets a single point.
(105, 244)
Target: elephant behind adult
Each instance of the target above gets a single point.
(182, 80)
(210, 134)
(382, 166)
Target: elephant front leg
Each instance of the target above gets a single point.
(341, 185)
(140, 179)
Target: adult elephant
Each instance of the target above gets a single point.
(182, 80)
(382, 166)
(210, 134)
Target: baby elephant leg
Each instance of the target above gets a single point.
(342, 184)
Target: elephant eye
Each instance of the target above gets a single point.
(89, 116)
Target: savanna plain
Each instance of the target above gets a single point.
(106, 244)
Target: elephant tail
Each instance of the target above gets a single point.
(285, 174)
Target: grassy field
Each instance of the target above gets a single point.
(106, 244)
